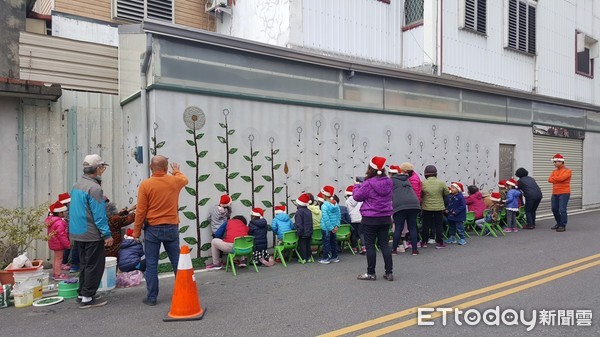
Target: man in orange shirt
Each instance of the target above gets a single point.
(157, 204)
(560, 179)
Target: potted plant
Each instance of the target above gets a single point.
(19, 228)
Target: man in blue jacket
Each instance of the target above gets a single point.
(88, 228)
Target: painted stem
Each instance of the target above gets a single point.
(196, 203)
(227, 156)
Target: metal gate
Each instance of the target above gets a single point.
(544, 148)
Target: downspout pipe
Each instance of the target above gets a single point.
(145, 66)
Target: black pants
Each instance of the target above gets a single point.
(531, 206)
(379, 233)
(91, 267)
(434, 220)
(304, 248)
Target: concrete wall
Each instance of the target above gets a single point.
(320, 146)
(12, 21)
(9, 109)
(591, 167)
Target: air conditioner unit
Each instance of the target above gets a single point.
(211, 5)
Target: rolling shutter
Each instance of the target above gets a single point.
(544, 148)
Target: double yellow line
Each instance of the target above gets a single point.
(556, 273)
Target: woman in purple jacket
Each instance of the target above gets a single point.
(376, 194)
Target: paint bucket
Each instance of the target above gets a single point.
(34, 280)
(68, 290)
(109, 278)
(23, 297)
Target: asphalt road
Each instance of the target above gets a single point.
(314, 299)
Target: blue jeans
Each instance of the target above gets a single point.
(168, 235)
(456, 227)
(559, 208)
(410, 217)
(329, 245)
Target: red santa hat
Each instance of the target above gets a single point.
(129, 232)
(279, 209)
(258, 212)
(378, 163)
(511, 182)
(349, 190)
(458, 186)
(395, 169)
(558, 157)
(328, 191)
(303, 200)
(64, 198)
(495, 196)
(320, 197)
(225, 200)
(57, 207)
(502, 184)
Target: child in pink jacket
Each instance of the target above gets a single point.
(58, 237)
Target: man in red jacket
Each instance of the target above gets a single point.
(224, 237)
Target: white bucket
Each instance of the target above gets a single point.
(109, 278)
(23, 297)
(33, 280)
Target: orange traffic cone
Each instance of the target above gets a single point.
(185, 305)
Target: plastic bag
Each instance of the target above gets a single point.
(4, 295)
(129, 279)
(21, 261)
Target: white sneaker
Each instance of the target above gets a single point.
(401, 249)
(431, 241)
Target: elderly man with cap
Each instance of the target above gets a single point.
(88, 228)
(560, 179)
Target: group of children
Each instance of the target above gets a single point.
(129, 252)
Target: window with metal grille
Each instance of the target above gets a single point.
(521, 25)
(138, 10)
(413, 11)
(475, 15)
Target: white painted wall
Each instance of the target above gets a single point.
(321, 155)
(96, 32)
(9, 109)
(591, 167)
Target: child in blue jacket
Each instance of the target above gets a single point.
(512, 205)
(281, 223)
(330, 222)
(130, 254)
(457, 214)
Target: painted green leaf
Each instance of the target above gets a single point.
(204, 224)
(255, 153)
(153, 151)
(220, 187)
(190, 131)
(232, 175)
(246, 202)
(199, 136)
(268, 158)
(163, 255)
(233, 150)
(190, 215)
(278, 189)
(190, 240)
(247, 158)
(282, 203)
(267, 178)
(181, 208)
(161, 144)
(202, 154)
(235, 196)
(276, 151)
(267, 203)
(223, 125)
(257, 167)
(203, 177)
(246, 178)
(203, 201)
(191, 142)
(182, 229)
(221, 139)
(220, 164)
(191, 191)
(205, 247)
(258, 188)
(191, 163)
(153, 139)
(231, 132)
(276, 166)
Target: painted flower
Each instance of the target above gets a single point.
(194, 118)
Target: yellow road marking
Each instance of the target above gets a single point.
(484, 299)
(440, 303)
